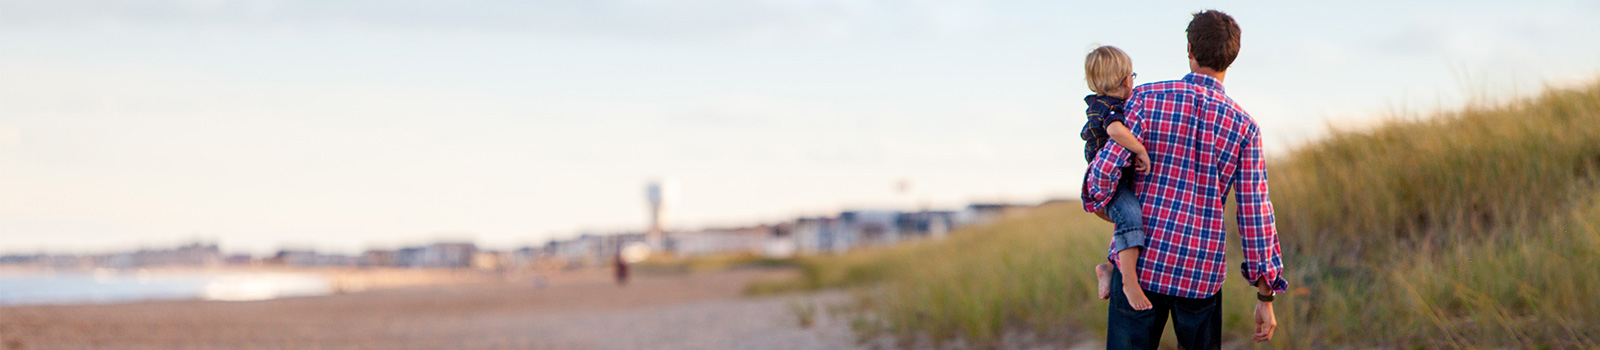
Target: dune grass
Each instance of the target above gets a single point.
(1470, 228)
(661, 264)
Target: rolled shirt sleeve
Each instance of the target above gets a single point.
(1257, 229)
(1100, 182)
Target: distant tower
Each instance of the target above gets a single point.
(660, 194)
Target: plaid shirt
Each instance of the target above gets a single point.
(1201, 145)
(1102, 111)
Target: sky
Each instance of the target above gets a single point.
(343, 126)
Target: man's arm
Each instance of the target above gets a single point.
(1258, 230)
(1263, 265)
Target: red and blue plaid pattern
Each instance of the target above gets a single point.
(1201, 144)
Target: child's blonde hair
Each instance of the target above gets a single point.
(1105, 67)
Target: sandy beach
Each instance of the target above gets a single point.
(575, 310)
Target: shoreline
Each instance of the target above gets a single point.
(220, 283)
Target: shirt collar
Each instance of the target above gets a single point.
(1103, 98)
(1204, 80)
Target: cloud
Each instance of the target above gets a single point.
(741, 20)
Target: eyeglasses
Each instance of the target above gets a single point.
(1133, 76)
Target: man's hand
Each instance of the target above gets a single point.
(1141, 162)
(1266, 322)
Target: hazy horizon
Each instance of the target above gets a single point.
(333, 126)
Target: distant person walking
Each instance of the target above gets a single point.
(1201, 144)
(622, 270)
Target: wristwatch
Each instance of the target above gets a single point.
(1267, 297)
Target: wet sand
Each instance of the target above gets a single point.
(581, 310)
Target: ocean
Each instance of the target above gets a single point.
(108, 286)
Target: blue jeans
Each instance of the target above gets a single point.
(1126, 213)
(1196, 322)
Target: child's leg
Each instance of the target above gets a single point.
(1102, 272)
(1130, 278)
(1125, 211)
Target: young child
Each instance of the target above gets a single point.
(1109, 73)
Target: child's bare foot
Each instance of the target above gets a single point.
(1135, 295)
(1103, 272)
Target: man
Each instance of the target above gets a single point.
(1201, 145)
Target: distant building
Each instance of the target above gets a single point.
(61, 261)
(719, 241)
(297, 258)
(290, 257)
(852, 229)
(864, 228)
(380, 258)
(526, 257)
(978, 214)
(588, 249)
(812, 235)
(581, 251)
(927, 224)
(490, 261)
(194, 254)
(782, 243)
(239, 260)
(408, 257)
(19, 259)
(445, 255)
(310, 258)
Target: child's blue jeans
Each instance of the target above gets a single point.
(1125, 212)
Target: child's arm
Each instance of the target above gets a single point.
(1124, 137)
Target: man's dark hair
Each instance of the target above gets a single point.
(1213, 39)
